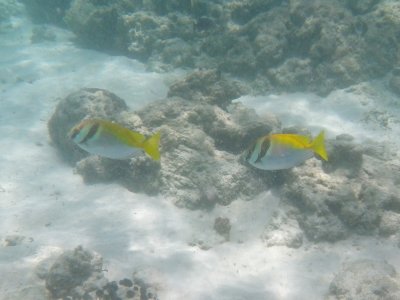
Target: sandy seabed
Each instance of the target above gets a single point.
(51, 209)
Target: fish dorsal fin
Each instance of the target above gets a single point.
(294, 140)
(125, 135)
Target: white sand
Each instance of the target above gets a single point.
(41, 198)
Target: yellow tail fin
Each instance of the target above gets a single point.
(318, 145)
(151, 145)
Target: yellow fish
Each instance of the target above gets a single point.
(111, 140)
(284, 151)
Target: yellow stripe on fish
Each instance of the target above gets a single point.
(284, 151)
(109, 139)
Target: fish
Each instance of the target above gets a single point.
(111, 140)
(284, 151)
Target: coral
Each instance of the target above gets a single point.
(223, 227)
(97, 25)
(78, 274)
(390, 223)
(195, 161)
(365, 279)
(47, 11)
(296, 45)
(71, 270)
(207, 86)
(345, 156)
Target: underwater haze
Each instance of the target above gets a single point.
(193, 149)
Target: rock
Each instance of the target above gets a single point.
(394, 83)
(350, 193)
(383, 28)
(361, 6)
(47, 11)
(9, 8)
(390, 223)
(126, 282)
(78, 274)
(275, 45)
(14, 240)
(207, 86)
(71, 270)
(223, 227)
(41, 34)
(200, 143)
(365, 279)
(144, 32)
(94, 23)
(88, 102)
(96, 169)
(198, 169)
(292, 73)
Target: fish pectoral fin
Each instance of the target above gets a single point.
(318, 145)
(151, 146)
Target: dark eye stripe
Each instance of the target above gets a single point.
(250, 151)
(92, 131)
(74, 133)
(264, 148)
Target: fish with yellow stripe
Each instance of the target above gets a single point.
(284, 151)
(109, 139)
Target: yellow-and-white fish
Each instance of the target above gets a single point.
(284, 151)
(111, 140)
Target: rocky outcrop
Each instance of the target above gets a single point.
(201, 141)
(365, 279)
(79, 274)
(296, 45)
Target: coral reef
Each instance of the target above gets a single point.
(79, 274)
(296, 45)
(96, 23)
(352, 194)
(200, 142)
(47, 11)
(9, 8)
(202, 138)
(365, 279)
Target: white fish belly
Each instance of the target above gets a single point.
(110, 147)
(285, 160)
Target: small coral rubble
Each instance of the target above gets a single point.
(79, 274)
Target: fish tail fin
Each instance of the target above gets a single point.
(318, 145)
(151, 146)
